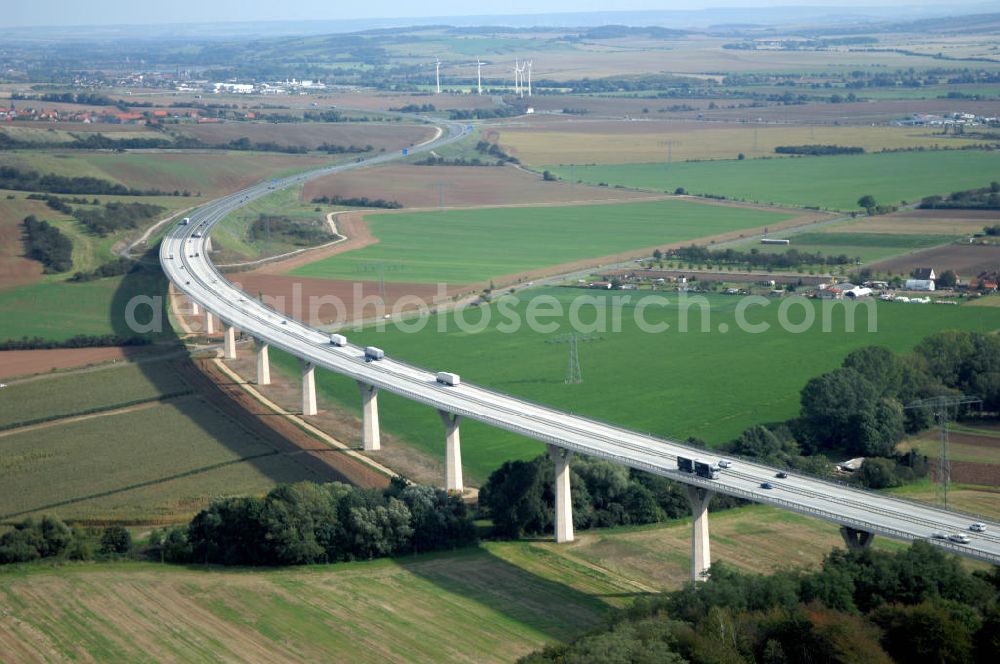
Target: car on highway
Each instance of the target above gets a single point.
(959, 538)
(766, 485)
(723, 463)
(781, 475)
(978, 527)
(939, 536)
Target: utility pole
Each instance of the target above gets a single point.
(574, 376)
(941, 408)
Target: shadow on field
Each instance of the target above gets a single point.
(148, 280)
(555, 609)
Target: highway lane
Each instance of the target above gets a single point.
(194, 274)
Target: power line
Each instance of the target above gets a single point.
(574, 375)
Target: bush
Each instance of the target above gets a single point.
(116, 541)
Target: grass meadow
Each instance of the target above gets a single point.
(835, 182)
(468, 246)
(709, 384)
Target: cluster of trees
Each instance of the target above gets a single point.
(792, 258)
(873, 207)
(818, 150)
(485, 113)
(859, 408)
(985, 198)
(917, 605)
(993, 230)
(332, 148)
(303, 523)
(494, 150)
(47, 245)
(519, 498)
(431, 160)
(49, 537)
(114, 268)
(27, 180)
(116, 216)
(61, 204)
(414, 108)
(359, 201)
(85, 98)
(266, 226)
(77, 341)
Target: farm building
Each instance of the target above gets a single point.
(919, 284)
(924, 274)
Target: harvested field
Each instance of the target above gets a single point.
(458, 186)
(388, 136)
(211, 173)
(326, 301)
(860, 113)
(967, 260)
(27, 362)
(15, 269)
(924, 222)
(578, 141)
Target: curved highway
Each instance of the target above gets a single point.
(187, 265)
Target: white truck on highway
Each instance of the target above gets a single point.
(373, 354)
(448, 378)
(185, 221)
(338, 340)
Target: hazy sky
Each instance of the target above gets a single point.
(107, 12)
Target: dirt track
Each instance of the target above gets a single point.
(28, 362)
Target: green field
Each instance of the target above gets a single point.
(828, 182)
(468, 246)
(706, 384)
(61, 396)
(59, 310)
(159, 463)
(492, 603)
(232, 234)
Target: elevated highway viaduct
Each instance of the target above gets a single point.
(860, 514)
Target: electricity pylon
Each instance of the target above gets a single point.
(573, 374)
(941, 408)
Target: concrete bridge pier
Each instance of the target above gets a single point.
(308, 387)
(370, 431)
(229, 341)
(564, 500)
(209, 322)
(263, 362)
(701, 557)
(452, 453)
(855, 539)
(194, 308)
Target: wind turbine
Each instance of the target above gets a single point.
(479, 75)
(437, 74)
(517, 78)
(529, 78)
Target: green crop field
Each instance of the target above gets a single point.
(467, 246)
(59, 310)
(830, 182)
(706, 384)
(61, 396)
(156, 463)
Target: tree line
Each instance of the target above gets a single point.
(28, 180)
(792, 258)
(985, 198)
(49, 537)
(296, 232)
(872, 606)
(47, 244)
(77, 341)
(115, 216)
(818, 150)
(357, 201)
(519, 497)
(305, 523)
